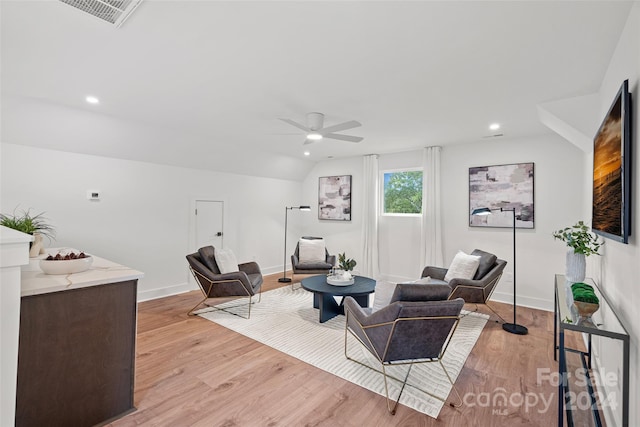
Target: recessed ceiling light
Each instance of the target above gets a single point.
(92, 99)
(494, 126)
(314, 136)
(306, 153)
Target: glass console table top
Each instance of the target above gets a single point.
(603, 322)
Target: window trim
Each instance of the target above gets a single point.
(381, 195)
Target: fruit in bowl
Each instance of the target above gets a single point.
(66, 263)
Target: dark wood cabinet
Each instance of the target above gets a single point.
(76, 356)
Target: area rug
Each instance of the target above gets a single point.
(286, 321)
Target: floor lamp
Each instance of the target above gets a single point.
(284, 278)
(513, 328)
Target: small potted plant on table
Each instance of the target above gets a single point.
(581, 243)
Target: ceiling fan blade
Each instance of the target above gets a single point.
(308, 141)
(342, 126)
(343, 137)
(296, 124)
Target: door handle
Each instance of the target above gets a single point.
(219, 233)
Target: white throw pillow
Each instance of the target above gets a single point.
(226, 260)
(463, 266)
(382, 295)
(311, 251)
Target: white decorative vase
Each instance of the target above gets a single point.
(576, 266)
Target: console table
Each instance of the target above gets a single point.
(76, 354)
(603, 322)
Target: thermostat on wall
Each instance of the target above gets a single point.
(93, 194)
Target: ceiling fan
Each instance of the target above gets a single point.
(315, 130)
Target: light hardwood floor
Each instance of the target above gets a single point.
(193, 372)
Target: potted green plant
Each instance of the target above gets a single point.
(27, 223)
(581, 243)
(345, 263)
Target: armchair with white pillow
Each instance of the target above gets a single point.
(311, 257)
(472, 277)
(219, 275)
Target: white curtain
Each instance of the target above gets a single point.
(370, 263)
(431, 235)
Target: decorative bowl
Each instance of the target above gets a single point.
(339, 280)
(70, 266)
(586, 309)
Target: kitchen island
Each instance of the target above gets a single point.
(76, 354)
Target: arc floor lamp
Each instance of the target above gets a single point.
(284, 278)
(513, 328)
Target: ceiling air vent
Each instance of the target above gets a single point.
(113, 11)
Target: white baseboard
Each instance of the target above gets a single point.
(165, 292)
(538, 303)
(273, 270)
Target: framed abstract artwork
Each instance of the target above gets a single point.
(334, 198)
(502, 186)
(612, 171)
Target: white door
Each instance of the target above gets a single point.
(209, 223)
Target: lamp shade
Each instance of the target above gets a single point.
(305, 208)
(481, 211)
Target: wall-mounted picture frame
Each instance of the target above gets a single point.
(334, 198)
(611, 202)
(502, 186)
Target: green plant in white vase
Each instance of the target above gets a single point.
(345, 263)
(581, 243)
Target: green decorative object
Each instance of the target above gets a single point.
(583, 292)
(580, 238)
(28, 224)
(585, 299)
(345, 263)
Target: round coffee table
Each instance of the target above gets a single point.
(323, 294)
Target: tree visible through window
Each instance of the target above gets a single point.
(403, 192)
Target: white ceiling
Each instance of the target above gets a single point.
(413, 73)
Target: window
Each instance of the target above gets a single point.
(402, 192)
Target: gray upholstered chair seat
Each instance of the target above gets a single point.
(314, 266)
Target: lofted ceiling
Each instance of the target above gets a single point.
(182, 81)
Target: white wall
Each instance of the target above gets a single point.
(399, 237)
(14, 253)
(143, 219)
(558, 201)
(618, 270)
(340, 236)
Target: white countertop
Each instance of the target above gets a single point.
(102, 271)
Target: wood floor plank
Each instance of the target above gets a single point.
(193, 372)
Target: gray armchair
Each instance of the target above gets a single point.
(478, 289)
(415, 327)
(244, 283)
(311, 268)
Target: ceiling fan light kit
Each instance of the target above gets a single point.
(316, 131)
